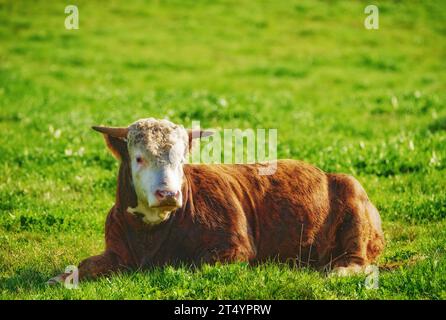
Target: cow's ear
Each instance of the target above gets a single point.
(197, 133)
(115, 138)
(117, 146)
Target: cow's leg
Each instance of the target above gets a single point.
(100, 265)
(350, 255)
(226, 255)
(93, 267)
(360, 240)
(358, 231)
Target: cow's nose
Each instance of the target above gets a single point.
(166, 195)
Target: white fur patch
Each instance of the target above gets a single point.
(151, 215)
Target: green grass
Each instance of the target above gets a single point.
(368, 103)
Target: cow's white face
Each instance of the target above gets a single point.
(157, 150)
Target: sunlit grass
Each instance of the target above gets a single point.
(368, 103)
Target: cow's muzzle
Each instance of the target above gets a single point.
(168, 198)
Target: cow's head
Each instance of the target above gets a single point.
(157, 150)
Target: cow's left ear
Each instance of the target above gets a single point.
(198, 133)
(115, 141)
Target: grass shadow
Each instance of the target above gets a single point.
(28, 278)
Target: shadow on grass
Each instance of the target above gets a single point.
(26, 279)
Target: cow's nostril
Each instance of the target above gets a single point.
(160, 194)
(166, 194)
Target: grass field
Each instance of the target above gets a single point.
(366, 102)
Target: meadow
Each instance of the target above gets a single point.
(370, 103)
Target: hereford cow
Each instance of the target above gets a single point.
(169, 213)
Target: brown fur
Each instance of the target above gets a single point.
(230, 213)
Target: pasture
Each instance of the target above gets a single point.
(371, 103)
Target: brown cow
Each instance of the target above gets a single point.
(170, 213)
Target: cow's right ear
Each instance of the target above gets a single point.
(117, 146)
(116, 143)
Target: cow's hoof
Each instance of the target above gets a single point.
(57, 279)
(347, 271)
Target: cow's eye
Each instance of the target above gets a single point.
(139, 160)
